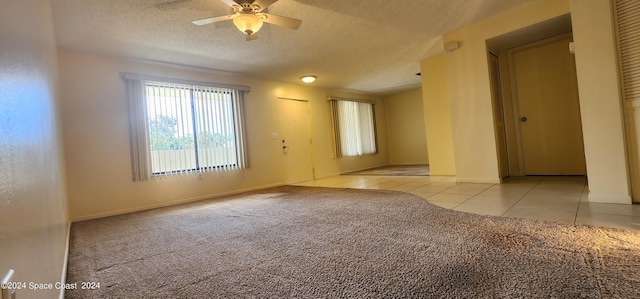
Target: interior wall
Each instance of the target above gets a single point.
(600, 101)
(469, 87)
(95, 121)
(406, 135)
(437, 115)
(33, 221)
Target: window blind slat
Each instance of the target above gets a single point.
(189, 128)
(628, 30)
(237, 111)
(628, 21)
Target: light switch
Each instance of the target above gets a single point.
(274, 135)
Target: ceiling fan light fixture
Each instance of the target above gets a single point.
(308, 79)
(248, 23)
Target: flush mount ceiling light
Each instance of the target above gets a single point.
(308, 79)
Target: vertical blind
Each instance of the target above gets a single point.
(179, 128)
(628, 29)
(628, 17)
(354, 127)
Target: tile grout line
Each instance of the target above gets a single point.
(468, 199)
(522, 197)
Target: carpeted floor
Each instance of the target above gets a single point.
(395, 170)
(306, 242)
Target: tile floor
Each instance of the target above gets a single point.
(550, 198)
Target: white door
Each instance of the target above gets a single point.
(295, 140)
(549, 109)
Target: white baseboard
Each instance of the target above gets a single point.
(172, 203)
(478, 180)
(431, 173)
(610, 198)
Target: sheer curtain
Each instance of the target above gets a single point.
(181, 127)
(354, 127)
(366, 121)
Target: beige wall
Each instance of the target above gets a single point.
(96, 130)
(33, 221)
(598, 83)
(437, 115)
(469, 92)
(600, 101)
(405, 128)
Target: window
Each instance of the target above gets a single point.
(180, 128)
(354, 127)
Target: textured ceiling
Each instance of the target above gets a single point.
(371, 46)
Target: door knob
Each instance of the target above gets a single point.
(523, 119)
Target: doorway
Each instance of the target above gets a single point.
(547, 108)
(295, 140)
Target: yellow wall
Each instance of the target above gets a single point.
(405, 128)
(598, 85)
(600, 101)
(437, 115)
(96, 138)
(33, 221)
(469, 91)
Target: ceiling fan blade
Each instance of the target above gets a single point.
(263, 3)
(282, 21)
(212, 20)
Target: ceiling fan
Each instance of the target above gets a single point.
(248, 17)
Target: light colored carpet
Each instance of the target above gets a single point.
(395, 170)
(306, 242)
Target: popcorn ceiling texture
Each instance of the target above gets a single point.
(367, 46)
(308, 242)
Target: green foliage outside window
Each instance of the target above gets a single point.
(164, 136)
